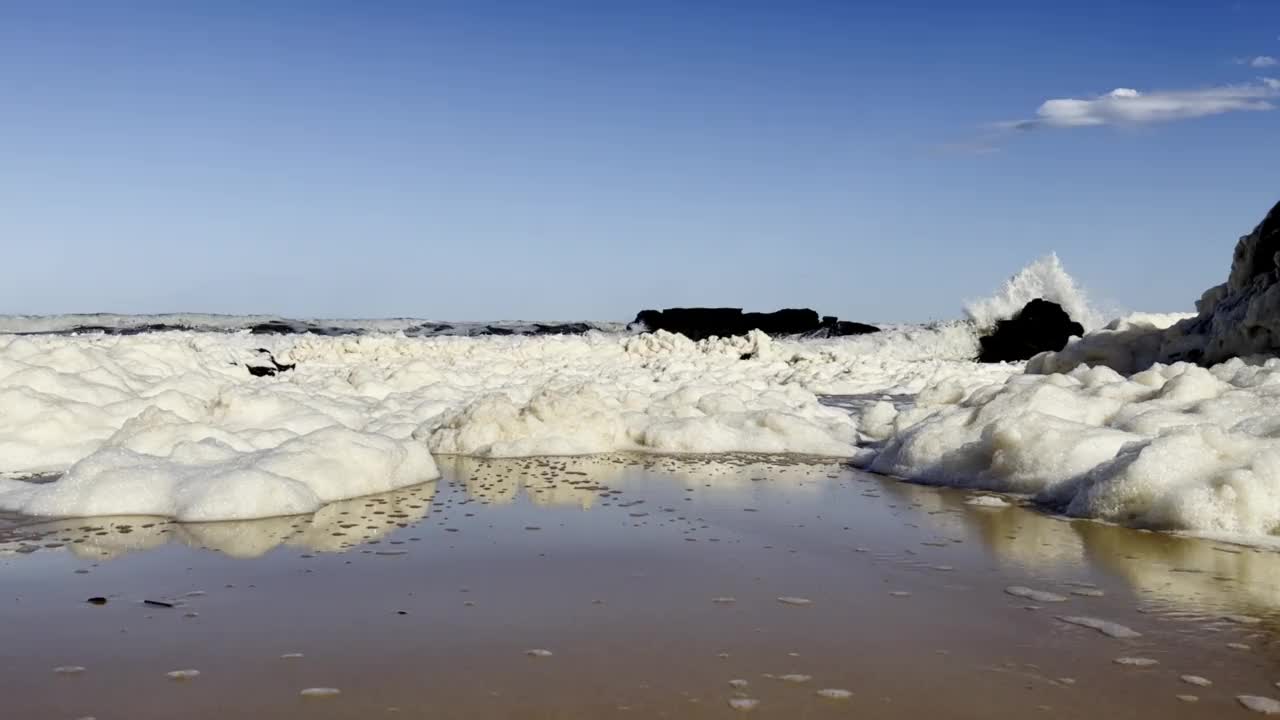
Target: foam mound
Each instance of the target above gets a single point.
(176, 424)
(1175, 447)
(1119, 425)
(154, 467)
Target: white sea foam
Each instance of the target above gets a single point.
(173, 424)
(1045, 278)
(1175, 447)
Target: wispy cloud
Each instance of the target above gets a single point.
(1263, 61)
(1126, 106)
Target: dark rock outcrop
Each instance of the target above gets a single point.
(1237, 319)
(266, 365)
(846, 327)
(561, 329)
(702, 323)
(1038, 327)
(1241, 317)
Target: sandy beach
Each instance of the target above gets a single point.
(657, 587)
(576, 360)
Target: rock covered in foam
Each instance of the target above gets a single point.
(1038, 327)
(1045, 279)
(1240, 318)
(266, 365)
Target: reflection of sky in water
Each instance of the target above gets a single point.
(1173, 573)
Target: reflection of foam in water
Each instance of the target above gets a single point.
(1179, 571)
(335, 528)
(1203, 577)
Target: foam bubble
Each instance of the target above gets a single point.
(320, 692)
(1259, 704)
(1106, 627)
(1037, 595)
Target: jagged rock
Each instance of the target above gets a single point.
(1038, 327)
(267, 366)
(1242, 316)
(846, 327)
(701, 323)
(273, 327)
(561, 329)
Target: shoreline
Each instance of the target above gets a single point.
(499, 557)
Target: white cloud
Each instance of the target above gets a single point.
(1263, 61)
(1125, 106)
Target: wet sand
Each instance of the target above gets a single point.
(654, 583)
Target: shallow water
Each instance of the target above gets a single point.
(652, 583)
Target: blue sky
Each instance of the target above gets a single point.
(481, 160)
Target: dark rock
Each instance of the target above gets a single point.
(782, 322)
(1238, 319)
(97, 601)
(271, 368)
(273, 327)
(561, 329)
(428, 329)
(1241, 317)
(846, 327)
(124, 330)
(1038, 327)
(701, 323)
